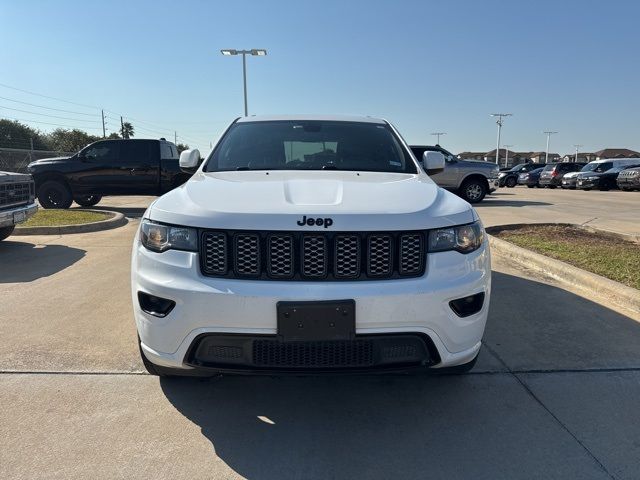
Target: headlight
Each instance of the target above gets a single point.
(502, 174)
(158, 237)
(463, 238)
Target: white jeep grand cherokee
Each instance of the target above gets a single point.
(310, 243)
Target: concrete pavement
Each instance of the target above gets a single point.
(614, 210)
(554, 394)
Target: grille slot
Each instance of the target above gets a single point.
(380, 255)
(314, 256)
(15, 193)
(347, 256)
(214, 260)
(411, 253)
(271, 353)
(247, 253)
(280, 263)
(300, 256)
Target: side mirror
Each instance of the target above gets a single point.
(190, 160)
(433, 162)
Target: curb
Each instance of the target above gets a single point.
(117, 220)
(597, 285)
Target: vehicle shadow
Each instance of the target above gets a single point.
(465, 426)
(26, 262)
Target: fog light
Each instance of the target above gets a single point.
(156, 306)
(463, 307)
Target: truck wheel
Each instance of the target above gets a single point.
(531, 186)
(511, 182)
(473, 191)
(6, 231)
(54, 194)
(87, 200)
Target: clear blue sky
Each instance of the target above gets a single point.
(570, 66)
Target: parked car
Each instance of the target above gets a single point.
(629, 179)
(107, 167)
(302, 244)
(569, 179)
(17, 201)
(601, 180)
(552, 174)
(509, 178)
(471, 179)
(530, 179)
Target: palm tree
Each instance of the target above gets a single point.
(127, 130)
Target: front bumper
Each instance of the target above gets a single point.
(587, 184)
(546, 181)
(215, 306)
(16, 215)
(629, 182)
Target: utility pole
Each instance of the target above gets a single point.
(499, 122)
(104, 132)
(577, 147)
(175, 138)
(506, 160)
(121, 126)
(438, 134)
(548, 134)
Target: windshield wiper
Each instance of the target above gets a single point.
(329, 167)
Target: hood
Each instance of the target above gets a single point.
(278, 200)
(572, 174)
(44, 161)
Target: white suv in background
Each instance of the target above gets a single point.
(310, 243)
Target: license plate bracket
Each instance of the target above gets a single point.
(316, 321)
(19, 217)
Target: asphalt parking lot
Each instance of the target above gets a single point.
(554, 394)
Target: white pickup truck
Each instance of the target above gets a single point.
(17, 201)
(310, 243)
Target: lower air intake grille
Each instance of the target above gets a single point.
(272, 353)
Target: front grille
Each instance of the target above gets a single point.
(313, 256)
(329, 354)
(15, 193)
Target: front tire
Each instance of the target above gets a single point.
(54, 194)
(6, 231)
(511, 182)
(474, 190)
(531, 186)
(88, 200)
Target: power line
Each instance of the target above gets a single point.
(46, 96)
(47, 115)
(48, 108)
(47, 123)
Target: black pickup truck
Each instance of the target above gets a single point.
(108, 167)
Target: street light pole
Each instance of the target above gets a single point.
(259, 52)
(546, 157)
(500, 121)
(438, 135)
(575, 160)
(506, 160)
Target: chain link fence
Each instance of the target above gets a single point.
(16, 160)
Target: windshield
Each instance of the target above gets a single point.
(518, 167)
(590, 167)
(549, 166)
(310, 145)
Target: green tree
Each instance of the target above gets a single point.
(182, 147)
(63, 140)
(126, 131)
(14, 134)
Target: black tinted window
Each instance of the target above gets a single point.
(310, 145)
(102, 151)
(132, 150)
